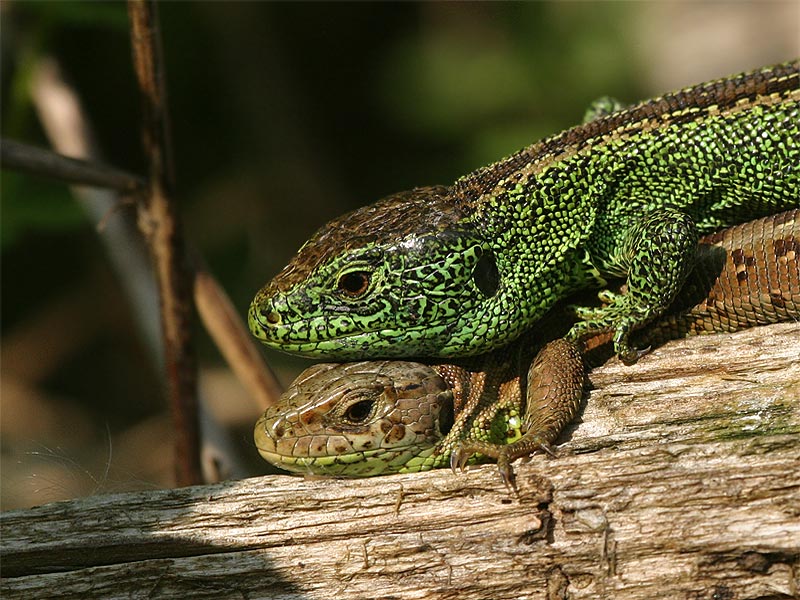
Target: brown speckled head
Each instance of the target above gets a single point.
(357, 419)
(415, 212)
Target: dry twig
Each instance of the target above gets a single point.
(30, 159)
(158, 219)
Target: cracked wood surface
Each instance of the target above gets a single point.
(681, 479)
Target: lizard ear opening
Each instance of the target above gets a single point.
(486, 275)
(447, 413)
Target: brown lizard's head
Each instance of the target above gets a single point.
(358, 419)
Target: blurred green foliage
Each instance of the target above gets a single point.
(497, 84)
(39, 206)
(32, 30)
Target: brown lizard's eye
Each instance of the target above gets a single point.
(354, 283)
(360, 411)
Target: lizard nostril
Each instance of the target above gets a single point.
(263, 316)
(277, 429)
(268, 315)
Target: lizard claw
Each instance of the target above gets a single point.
(547, 448)
(608, 297)
(459, 459)
(507, 474)
(630, 356)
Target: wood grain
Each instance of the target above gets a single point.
(680, 480)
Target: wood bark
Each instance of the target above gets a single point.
(681, 479)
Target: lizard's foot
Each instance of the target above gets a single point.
(503, 454)
(656, 252)
(554, 390)
(619, 316)
(601, 107)
(593, 313)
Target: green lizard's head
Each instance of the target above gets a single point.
(401, 277)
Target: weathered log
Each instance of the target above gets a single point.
(681, 480)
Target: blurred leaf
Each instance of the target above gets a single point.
(31, 204)
(442, 84)
(498, 78)
(87, 13)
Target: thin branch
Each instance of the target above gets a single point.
(214, 306)
(25, 158)
(216, 310)
(230, 335)
(69, 131)
(159, 222)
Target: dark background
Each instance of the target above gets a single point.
(284, 115)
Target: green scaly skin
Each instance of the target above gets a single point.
(376, 417)
(465, 269)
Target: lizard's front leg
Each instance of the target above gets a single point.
(553, 391)
(656, 253)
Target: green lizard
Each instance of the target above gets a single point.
(375, 417)
(461, 270)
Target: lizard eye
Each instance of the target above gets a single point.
(360, 411)
(353, 283)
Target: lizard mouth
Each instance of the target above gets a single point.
(319, 337)
(346, 346)
(362, 463)
(341, 337)
(359, 464)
